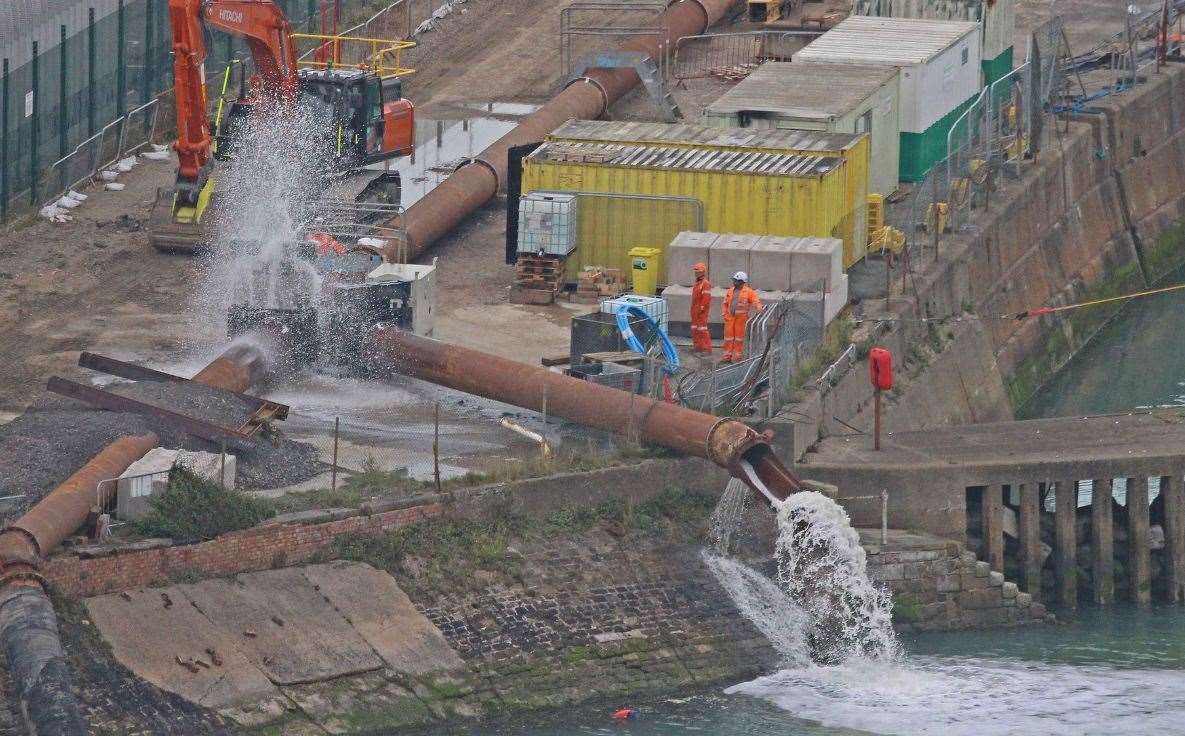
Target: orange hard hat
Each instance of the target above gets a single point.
(699, 268)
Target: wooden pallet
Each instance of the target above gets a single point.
(537, 279)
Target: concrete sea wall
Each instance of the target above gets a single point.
(1100, 212)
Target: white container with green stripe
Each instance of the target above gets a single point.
(940, 75)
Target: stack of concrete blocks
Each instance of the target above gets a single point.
(777, 267)
(686, 250)
(149, 476)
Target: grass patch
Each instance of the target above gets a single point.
(194, 509)
(443, 554)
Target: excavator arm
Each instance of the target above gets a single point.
(267, 33)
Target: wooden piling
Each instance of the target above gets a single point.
(1173, 491)
(1066, 543)
(1030, 538)
(1139, 559)
(1102, 543)
(992, 514)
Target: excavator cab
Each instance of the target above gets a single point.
(368, 118)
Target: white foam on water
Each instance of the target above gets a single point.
(824, 602)
(977, 697)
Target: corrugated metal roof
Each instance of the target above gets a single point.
(773, 140)
(686, 159)
(817, 91)
(895, 41)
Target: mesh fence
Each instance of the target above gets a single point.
(733, 55)
(81, 92)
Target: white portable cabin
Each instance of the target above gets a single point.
(940, 75)
(836, 98)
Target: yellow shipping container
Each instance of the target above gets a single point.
(854, 149)
(758, 192)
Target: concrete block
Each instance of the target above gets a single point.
(814, 260)
(979, 599)
(948, 584)
(770, 263)
(995, 579)
(982, 569)
(1009, 590)
(150, 475)
(687, 249)
(678, 301)
(835, 300)
(1024, 600)
(729, 254)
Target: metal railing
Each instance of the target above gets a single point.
(734, 54)
(117, 140)
(883, 497)
(381, 55)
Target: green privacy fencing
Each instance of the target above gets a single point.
(77, 91)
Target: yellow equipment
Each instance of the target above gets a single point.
(767, 11)
(644, 270)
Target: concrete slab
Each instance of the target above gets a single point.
(769, 263)
(730, 253)
(146, 637)
(382, 613)
(298, 637)
(686, 250)
(814, 260)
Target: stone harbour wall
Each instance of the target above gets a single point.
(939, 586)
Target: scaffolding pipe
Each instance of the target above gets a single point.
(730, 444)
(29, 634)
(589, 97)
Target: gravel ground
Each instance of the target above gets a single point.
(56, 435)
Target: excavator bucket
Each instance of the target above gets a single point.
(167, 233)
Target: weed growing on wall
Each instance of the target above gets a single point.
(193, 509)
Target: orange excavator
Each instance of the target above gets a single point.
(368, 118)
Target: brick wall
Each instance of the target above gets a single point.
(260, 548)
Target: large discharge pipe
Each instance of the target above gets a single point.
(589, 97)
(730, 444)
(29, 634)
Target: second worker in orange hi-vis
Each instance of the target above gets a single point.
(739, 300)
(701, 310)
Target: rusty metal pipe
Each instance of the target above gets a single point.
(590, 97)
(726, 442)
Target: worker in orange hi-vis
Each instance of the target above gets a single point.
(739, 300)
(701, 309)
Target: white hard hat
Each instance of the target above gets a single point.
(740, 276)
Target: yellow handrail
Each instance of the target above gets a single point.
(381, 49)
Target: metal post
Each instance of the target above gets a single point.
(876, 419)
(4, 173)
(336, 429)
(884, 517)
(90, 72)
(62, 92)
(147, 74)
(121, 64)
(35, 131)
(436, 447)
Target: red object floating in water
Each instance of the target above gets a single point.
(625, 714)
